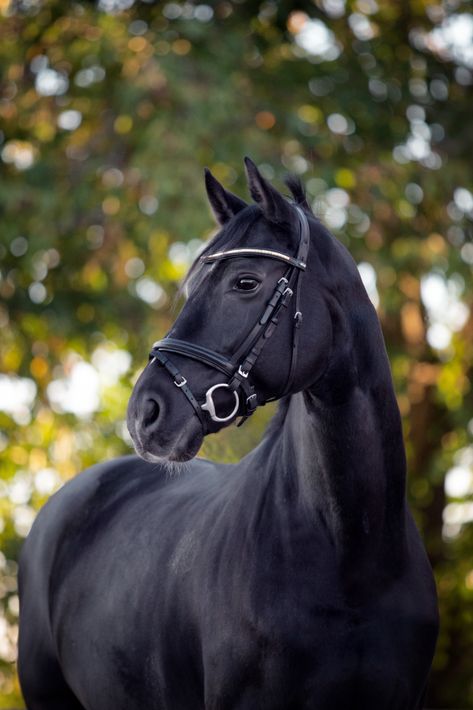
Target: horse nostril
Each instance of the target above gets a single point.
(151, 412)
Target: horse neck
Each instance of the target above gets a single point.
(341, 439)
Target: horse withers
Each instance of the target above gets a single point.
(292, 580)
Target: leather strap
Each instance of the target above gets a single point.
(180, 381)
(257, 329)
(297, 323)
(268, 253)
(195, 352)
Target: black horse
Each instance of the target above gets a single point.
(295, 579)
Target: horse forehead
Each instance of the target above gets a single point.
(265, 234)
(258, 233)
(202, 281)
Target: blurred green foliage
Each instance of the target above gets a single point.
(109, 113)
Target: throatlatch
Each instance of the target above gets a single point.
(238, 368)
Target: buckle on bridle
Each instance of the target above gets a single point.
(243, 373)
(181, 383)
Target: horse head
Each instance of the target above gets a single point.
(256, 325)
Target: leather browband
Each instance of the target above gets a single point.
(219, 255)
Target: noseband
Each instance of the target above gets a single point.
(237, 369)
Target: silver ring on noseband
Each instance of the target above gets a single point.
(209, 405)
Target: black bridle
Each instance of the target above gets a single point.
(239, 367)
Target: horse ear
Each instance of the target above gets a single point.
(275, 207)
(224, 203)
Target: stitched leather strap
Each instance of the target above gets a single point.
(195, 352)
(180, 381)
(297, 323)
(268, 253)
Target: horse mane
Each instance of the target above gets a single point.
(277, 420)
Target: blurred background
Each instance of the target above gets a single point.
(109, 111)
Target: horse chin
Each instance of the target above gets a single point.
(180, 451)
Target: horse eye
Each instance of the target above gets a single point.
(246, 284)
